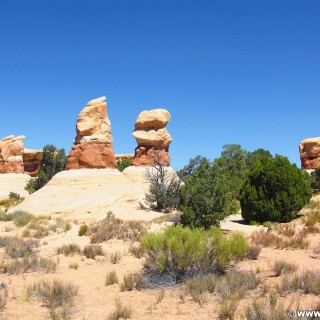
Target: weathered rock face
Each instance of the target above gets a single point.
(31, 161)
(11, 151)
(310, 153)
(152, 137)
(93, 144)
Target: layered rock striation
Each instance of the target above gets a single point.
(152, 137)
(11, 154)
(92, 147)
(31, 161)
(309, 150)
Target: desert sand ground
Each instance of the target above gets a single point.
(96, 301)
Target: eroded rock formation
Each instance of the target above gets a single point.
(152, 138)
(310, 153)
(93, 144)
(11, 154)
(31, 161)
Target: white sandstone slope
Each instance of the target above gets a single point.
(87, 194)
(13, 182)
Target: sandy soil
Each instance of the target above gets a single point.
(96, 301)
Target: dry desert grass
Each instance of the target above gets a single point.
(99, 274)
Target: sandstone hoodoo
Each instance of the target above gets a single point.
(11, 154)
(152, 138)
(93, 144)
(31, 161)
(310, 153)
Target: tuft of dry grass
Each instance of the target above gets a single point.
(283, 267)
(160, 295)
(17, 247)
(253, 252)
(93, 250)
(113, 228)
(286, 229)
(122, 311)
(266, 309)
(69, 249)
(228, 308)
(74, 265)
(115, 257)
(132, 281)
(111, 278)
(56, 295)
(308, 282)
(22, 265)
(137, 251)
(271, 239)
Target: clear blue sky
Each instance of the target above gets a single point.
(245, 72)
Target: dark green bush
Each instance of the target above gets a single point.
(275, 190)
(180, 250)
(315, 180)
(206, 197)
(122, 164)
(53, 161)
(14, 195)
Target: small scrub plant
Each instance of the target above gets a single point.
(311, 218)
(164, 187)
(308, 282)
(2, 301)
(113, 228)
(115, 257)
(20, 248)
(283, 267)
(271, 239)
(160, 295)
(122, 311)
(20, 218)
(74, 265)
(93, 250)
(228, 308)
(69, 249)
(14, 195)
(181, 250)
(253, 252)
(132, 281)
(83, 230)
(111, 278)
(266, 309)
(56, 295)
(34, 264)
(286, 229)
(137, 251)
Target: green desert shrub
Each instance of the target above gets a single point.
(122, 164)
(206, 197)
(53, 161)
(180, 250)
(275, 190)
(315, 180)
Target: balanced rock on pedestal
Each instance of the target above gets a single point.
(152, 137)
(93, 144)
(309, 150)
(11, 154)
